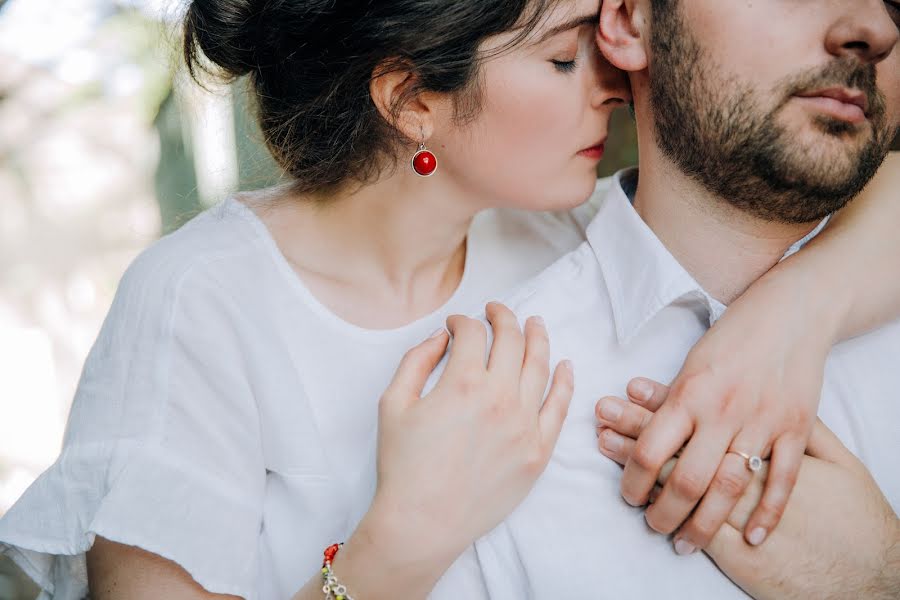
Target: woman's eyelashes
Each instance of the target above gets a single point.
(565, 66)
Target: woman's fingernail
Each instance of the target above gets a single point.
(757, 536)
(611, 441)
(437, 333)
(641, 390)
(610, 410)
(683, 548)
(567, 365)
(539, 321)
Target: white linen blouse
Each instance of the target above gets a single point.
(225, 419)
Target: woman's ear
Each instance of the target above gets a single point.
(622, 33)
(412, 114)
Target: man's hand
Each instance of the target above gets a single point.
(834, 541)
(838, 538)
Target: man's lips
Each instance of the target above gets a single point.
(841, 103)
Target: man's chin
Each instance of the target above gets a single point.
(834, 154)
(818, 164)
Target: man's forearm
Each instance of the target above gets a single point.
(887, 585)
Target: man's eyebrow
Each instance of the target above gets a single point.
(572, 23)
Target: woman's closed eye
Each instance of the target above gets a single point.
(565, 66)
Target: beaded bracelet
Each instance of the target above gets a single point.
(334, 590)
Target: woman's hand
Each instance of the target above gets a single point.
(750, 385)
(838, 538)
(456, 462)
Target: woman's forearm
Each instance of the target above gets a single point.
(853, 266)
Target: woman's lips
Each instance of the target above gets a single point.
(594, 152)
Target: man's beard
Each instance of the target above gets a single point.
(717, 133)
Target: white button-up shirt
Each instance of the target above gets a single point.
(621, 306)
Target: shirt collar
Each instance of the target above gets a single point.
(641, 275)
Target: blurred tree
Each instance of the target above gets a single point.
(175, 181)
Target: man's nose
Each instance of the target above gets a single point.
(864, 30)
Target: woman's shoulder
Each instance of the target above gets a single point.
(192, 283)
(181, 302)
(220, 244)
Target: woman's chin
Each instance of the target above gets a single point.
(576, 192)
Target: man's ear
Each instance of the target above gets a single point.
(622, 33)
(413, 115)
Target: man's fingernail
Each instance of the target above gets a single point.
(611, 441)
(610, 410)
(683, 548)
(757, 536)
(437, 333)
(642, 390)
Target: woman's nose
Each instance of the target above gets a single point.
(612, 85)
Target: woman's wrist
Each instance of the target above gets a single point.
(846, 268)
(387, 557)
(811, 291)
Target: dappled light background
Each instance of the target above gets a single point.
(105, 145)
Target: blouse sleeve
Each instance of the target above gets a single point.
(162, 449)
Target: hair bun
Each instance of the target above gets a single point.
(226, 32)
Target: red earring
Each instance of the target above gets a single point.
(424, 163)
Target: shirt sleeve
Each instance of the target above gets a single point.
(162, 449)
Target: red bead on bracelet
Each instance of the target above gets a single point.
(330, 552)
(333, 589)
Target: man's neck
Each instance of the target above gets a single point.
(723, 248)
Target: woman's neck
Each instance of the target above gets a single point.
(381, 256)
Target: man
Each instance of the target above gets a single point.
(752, 129)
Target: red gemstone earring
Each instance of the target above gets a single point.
(424, 163)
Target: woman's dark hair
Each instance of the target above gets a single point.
(310, 63)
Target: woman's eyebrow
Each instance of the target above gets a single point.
(572, 23)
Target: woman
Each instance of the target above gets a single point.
(217, 438)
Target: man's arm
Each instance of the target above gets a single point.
(887, 585)
(839, 537)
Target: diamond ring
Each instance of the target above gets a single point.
(754, 463)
